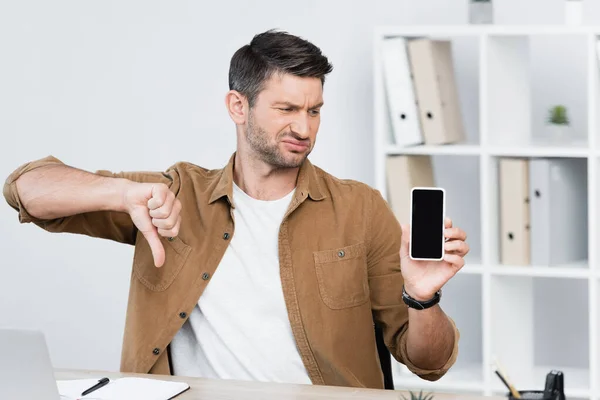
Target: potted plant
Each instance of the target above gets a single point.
(481, 12)
(558, 122)
(420, 396)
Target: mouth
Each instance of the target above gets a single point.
(296, 145)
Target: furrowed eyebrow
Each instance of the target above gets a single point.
(295, 106)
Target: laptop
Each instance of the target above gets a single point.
(26, 372)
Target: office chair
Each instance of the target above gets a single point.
(385, 359)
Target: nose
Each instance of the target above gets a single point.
(301, 125)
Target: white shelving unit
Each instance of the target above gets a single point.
(531, 318)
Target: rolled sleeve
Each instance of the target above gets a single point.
(429, 374)
(10, 187)
(113, 225)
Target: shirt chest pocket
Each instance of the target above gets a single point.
(342, 276)
(159, 279)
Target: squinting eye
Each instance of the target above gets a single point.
(315, 112)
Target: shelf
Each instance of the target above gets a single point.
(478, 30)
(544, 315)
(541, 150)
(472, 269)
(519, 97)
(448, 149)
(551, 227)
(568, 150)
(574, 271)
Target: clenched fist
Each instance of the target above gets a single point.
(155, 211)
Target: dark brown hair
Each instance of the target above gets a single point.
(273, 52)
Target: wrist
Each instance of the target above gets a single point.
(420, 304)
(122, 189)
(419, 294)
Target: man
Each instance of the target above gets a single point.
(268, 269)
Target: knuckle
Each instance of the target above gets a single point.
(164, 233)
(171, 221)
(158, 201)
(162, 191)
(161, 214)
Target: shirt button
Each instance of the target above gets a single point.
(182, 314)
(226, 236)
(170, 239)
(156, 351)
(205, 276)
(341, 253)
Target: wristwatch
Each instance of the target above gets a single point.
(421, 305)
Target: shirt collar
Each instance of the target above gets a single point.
(307, 185)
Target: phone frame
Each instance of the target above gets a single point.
(433, 188)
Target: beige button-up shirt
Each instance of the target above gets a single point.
(339, 264)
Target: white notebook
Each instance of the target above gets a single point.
(122, 389)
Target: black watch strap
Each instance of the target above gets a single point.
(420, 305)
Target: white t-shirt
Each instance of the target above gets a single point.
(240, 327)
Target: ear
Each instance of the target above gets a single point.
(237, 107)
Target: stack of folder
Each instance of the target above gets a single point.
(543, 211)
(421, 91)
(403, 173)
(423, 108)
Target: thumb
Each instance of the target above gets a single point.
(404, 241)
(158, 251)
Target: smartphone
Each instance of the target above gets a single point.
(428, 209)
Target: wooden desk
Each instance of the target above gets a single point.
(207, 389)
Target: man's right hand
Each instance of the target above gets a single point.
(155, 211)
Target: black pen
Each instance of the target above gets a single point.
(510, 387)
(101, 382)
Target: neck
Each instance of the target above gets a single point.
(261, 180)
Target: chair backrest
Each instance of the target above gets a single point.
(385, 359)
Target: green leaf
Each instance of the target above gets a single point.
(558, 115)
(420, 396)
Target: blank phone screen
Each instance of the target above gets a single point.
(427, 224)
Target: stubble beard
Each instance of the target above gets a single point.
(258, 140)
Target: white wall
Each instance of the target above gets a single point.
(126, 85)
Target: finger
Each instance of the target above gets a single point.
(447, 223)
(455, 234)
(171, 232)
(166, 208)
(404, 241)
(170, 221)
(455, 260)
(160, 194)
(158, 251)
(456, 247)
